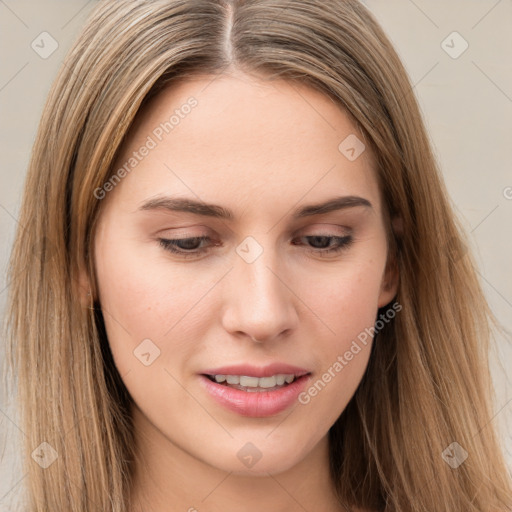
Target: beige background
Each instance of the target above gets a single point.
(466, 101)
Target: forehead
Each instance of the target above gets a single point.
(235, 140)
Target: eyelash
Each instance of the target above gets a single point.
(170, 245)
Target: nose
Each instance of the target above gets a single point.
(259, 303)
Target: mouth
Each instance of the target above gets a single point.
(254, 384)
(255, 392)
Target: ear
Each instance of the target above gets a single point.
(389, 285)
(391, 277)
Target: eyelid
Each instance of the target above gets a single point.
(185, 232)
(167, 236)
(326, 228)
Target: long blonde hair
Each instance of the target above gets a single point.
(427, 384)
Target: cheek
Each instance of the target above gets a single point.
(146, 296)
(346, 300)
(141, 298)
(348, 306)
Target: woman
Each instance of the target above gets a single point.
(240, 284)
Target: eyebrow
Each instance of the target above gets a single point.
(181, 204)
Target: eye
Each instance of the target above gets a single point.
(191, 247)
(185, 247)
(339, 244)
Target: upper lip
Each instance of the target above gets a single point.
(257, 371)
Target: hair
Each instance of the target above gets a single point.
(427, 383)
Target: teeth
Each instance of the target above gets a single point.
(250, 382)
(256, 382)
(233, 379)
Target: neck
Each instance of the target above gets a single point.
(166, 474)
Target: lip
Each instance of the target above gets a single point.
(254, 371)
(258, 404)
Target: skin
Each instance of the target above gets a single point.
(261, 149)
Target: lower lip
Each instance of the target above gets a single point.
(257, 404)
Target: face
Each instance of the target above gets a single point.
(222, 278)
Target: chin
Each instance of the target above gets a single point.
(259, 457)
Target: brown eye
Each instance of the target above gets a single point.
(186, 247)
(321, 244)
